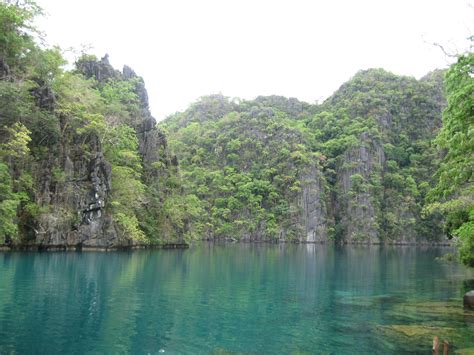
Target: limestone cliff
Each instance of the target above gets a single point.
(74, 180)
(358, 176)
(386, 167)
(313, 216)
(355, 169)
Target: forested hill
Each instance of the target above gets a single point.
(356, 168)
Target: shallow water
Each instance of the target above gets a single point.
(233, 298)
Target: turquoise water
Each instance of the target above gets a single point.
(229, 298)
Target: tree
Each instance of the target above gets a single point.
(127, 197)
(454, 192)
(16, 28)
(9, 202)
(15, 149)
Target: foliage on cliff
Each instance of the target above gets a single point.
(377, 132)
(244, 164)
(453, 194)
(60, 134)
(371, 144)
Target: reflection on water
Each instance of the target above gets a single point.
(233, 297)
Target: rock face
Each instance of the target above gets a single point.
(313, 211)
(468, 300)
(383, 172)
(4, 69)
(151, 140)
(75, 181)
(78, 201)
(359, 205)
(45, 97)
(100, 70)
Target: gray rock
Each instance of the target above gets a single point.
(468, 300)
(77, 214)
(45, 97)
(313, 215)
(357, 212)
(4, 69)
(100, 70)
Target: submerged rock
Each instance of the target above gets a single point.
(436, 310)
(418, 330)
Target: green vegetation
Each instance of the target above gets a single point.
(454, 192)
(365, 156)
(70, 154)
(244, 166)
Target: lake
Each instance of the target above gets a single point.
(220, 298)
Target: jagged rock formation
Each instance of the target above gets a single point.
(74, 171)
(78, 217)
(151, 140)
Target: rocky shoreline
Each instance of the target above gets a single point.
(79, 248)
(76, 248)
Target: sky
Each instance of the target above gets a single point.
(185, 49)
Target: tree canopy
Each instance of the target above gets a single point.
(453, 194)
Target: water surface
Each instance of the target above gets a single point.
(233, 298)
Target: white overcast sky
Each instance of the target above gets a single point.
(306, 49)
